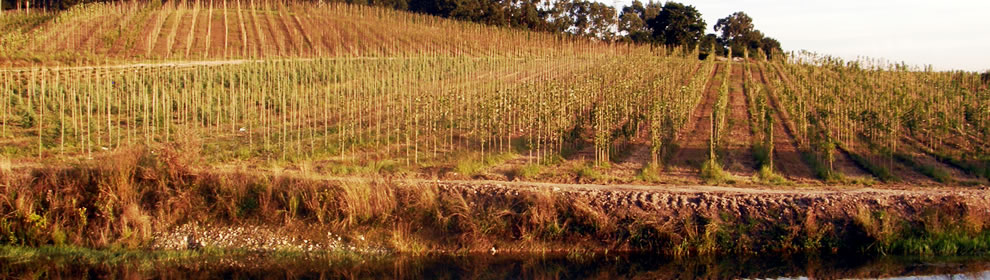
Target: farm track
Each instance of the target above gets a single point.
(843, 162)
(739, 157)
(787, 155)
(693, 150)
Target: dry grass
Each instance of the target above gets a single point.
(118, 205)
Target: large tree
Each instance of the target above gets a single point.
(678, 25)
(734, 26)
(633, 20)
(592, 19)
(740, 34)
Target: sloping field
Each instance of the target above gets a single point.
(356, 90)
(93, 33)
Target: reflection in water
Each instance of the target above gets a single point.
(500, 267)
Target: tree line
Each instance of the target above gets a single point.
(672, 24)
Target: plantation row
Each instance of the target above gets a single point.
(405, 109)
(876, 116)
(95, 32)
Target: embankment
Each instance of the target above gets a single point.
(146, 200)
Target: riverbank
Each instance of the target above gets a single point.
(145, 202)
(62, 262)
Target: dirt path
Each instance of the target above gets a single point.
(787, 156)
(697, 189)
(693, 140)
(739, 155)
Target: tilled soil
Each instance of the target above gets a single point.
(668, 202)
(740, 160)
(695, 136)
(787, 157)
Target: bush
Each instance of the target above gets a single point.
(712, 173)
(585, 172)
(766, 175)
(649, 174)
(529, 171)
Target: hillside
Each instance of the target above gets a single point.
(132, 121)
(350, 89)
(184, 30)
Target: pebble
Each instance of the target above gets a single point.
(253, 238)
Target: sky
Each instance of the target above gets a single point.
(947, 34)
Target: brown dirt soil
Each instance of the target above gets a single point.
(693, 139)
(163, 42)
(787, 157)
(292, 41)
(203, 34)
(739, 157)
(271, 33)
(218, 27)
(307, 39)
(631, 165)
(182, 34)
(241, 44)
(671, 201)
(638, 157)
(134, 22)
(145, 42)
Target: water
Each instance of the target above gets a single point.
(261, 266)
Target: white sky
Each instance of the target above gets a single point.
(947, 34)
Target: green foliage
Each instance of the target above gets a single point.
(767, 176)
(586, 172)
(529, 171)
(821, 169)
(650, 173)
(712, 173)
(970, 167)
(474, 164)
(678, 25)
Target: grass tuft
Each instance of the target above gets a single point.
(649, 173)
(529, 171)
(712, 173)
(767, 176)
(585, 172)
